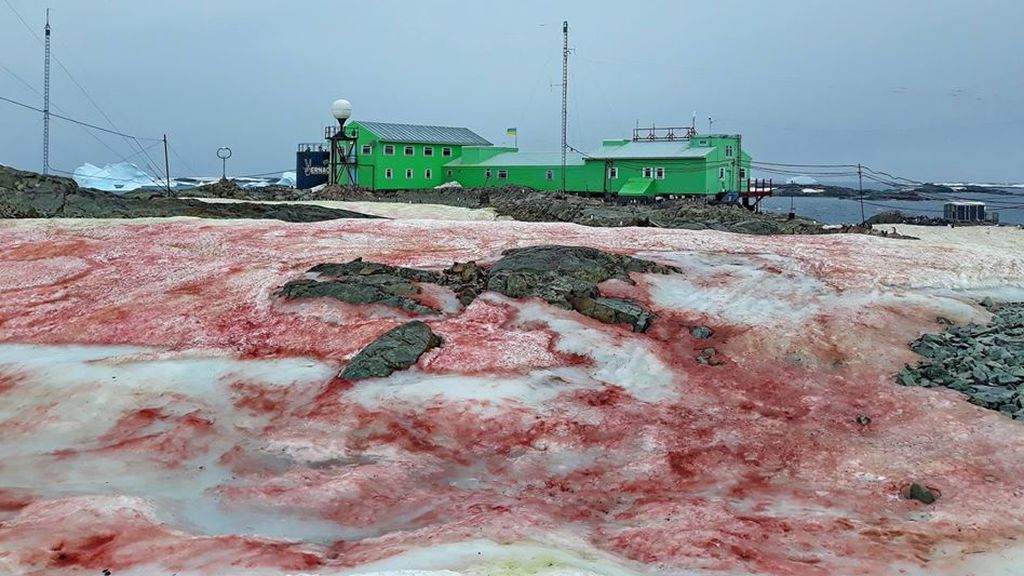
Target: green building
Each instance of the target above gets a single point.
(655, 162)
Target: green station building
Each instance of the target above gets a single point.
(654, 162)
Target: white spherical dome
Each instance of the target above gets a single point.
(342, 109)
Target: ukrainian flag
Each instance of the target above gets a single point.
(512, 132)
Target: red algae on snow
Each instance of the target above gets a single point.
(185, 420)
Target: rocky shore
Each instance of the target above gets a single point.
(528, 205)
(30, 195)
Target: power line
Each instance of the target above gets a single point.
(79, 122)
(128, 139)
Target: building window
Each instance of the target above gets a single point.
(389, 174)
(743, 173)
(446, 152)
(448, 172)
(367, 150)
(728, 151)
(487, 174)
(410, 151)
(613, 173)
(428, 151)
(721, 173)
(549, 175)
(648, 172)
(389, 149)
(428, 174)
(659, 173)
(408, 174)
(502, 174)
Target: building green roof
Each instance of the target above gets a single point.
(648, 150)
(524, 159)
(417, 134)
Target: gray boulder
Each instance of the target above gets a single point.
(396, 350)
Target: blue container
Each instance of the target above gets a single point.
(312, 166)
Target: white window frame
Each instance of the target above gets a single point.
(487, 174)
(409, 151)
(659, 173)
(721, 173)
(409, 174)
(389, 149)
(502, 174)
(729, 150)
(613, 173)
(743, 173)
(428, 151)
(367, 149)
(446, 152)
(549, 175)
(428, 174)
(647, 172)
(389, 174)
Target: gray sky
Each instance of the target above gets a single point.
(930, 89)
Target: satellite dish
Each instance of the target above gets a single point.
(342, 110)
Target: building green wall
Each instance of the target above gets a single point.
(372, 171)
(469, 166)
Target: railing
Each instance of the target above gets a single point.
(667, 134)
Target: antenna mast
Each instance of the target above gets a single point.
(46, 99)
(565, 94)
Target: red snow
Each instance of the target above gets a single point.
(757, 465)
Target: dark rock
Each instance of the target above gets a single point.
(358, 267)
(702, 332)
(863, 420)
(396, 350)
(614, 311)
(29, 195)
(568, 276)
(355, 290)
(921, 493)
(466, 279)
(985, 363)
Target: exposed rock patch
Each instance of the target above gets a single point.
(30, 195)
(360, 282)
(986, 363)
(565, 276)
(396, 350)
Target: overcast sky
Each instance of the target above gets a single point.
(930, 89)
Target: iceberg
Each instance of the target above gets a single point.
(287, 180)
(802, 181)
(118, 178)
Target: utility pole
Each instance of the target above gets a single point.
(46, 99)
(860, 181)
(167, 166)
(565, 95)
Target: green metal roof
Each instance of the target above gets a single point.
(417, 134)
(525, 159)
(649, 150)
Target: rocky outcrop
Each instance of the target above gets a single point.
(398, 349)
(985, 363)
(360, 282)
(565, 276)
(30, 195)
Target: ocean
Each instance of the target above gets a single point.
(842, 211)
